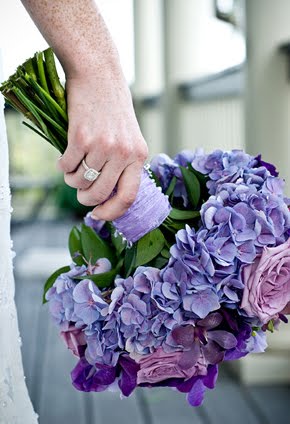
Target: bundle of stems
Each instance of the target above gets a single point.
(35, 91)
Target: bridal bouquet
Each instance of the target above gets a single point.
(198, 274)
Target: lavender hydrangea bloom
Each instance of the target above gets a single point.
(135, 311)
(234, 227)
(103, 343)
(265, 210)
(193, 266)
(150, 208)
(222, 167)
(60, 296)
(163, 167)
(169, 291)
(88, 303)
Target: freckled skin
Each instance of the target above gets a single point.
(77, 32)
(102, 124)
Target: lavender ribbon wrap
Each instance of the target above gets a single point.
(150, 208)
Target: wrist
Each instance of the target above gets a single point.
(93, 63)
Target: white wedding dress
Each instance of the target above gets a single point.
(15, 404)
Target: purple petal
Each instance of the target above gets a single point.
(183, 336)
(82, 293)
(210, 379)
(128, 380)
(196, 394)
(223, 338)
(201, 303)
(211, 321)
(212, 353)
(189, 358)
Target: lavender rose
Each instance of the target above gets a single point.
(160, 366)
(267, 283)
(74, 338)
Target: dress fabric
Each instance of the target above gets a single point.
(15, 404)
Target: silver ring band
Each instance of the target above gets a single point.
(90, 173)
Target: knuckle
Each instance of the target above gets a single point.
(104, 144)
(142, 153)
(125, 151)
(82, 138)
(127, 199)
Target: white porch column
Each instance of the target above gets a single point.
(268, 86)
(148, 33)
(149, 70)
(186, 34)
(187, 38)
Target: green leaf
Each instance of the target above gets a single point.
(171, 187)
(75, 246)
(270, 326)
(117, 241)
(130, 259)
(94, 247)
(182, 215)
(101, 280)
(50, 281)
(192, 185)
(159, 262)
(165, 253)
(149, 246)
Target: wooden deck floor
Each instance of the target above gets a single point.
(40, 248)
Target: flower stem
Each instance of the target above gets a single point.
(41, 72)
(57, 88)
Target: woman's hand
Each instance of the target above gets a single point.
(104, 131)
(103, 128)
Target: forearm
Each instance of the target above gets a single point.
(76, 31)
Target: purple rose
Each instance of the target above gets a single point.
(160, 366)
(74, 338)
(267, 283)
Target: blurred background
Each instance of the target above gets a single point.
(203, 73)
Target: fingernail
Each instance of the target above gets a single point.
(94, 215)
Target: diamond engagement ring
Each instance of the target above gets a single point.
(90, 174)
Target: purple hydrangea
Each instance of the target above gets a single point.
(60, 296)
(194, 270)
(136, 312)
(88, 303)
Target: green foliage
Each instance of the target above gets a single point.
(183, 215)
(75, 246)
(94, 247)
(101, 280)
(130, 260)
(149, 246)
(192, 186)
